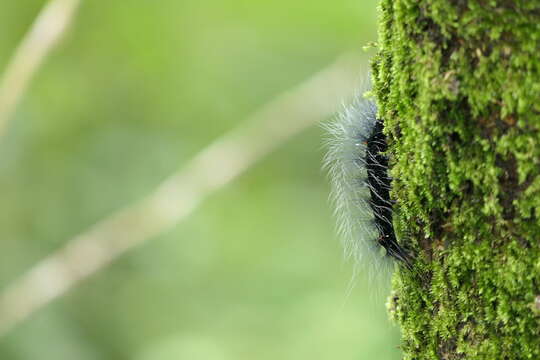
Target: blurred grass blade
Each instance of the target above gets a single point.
(174, 199)
(46, 31)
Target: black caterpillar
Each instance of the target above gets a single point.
(358, 167)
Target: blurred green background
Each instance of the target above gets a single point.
(136, 89)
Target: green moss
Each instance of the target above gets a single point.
(458, 86)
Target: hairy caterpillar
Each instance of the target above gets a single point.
(358, 168)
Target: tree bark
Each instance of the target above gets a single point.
(458, 87)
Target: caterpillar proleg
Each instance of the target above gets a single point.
(358, 167)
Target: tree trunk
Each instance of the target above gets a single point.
(458, 87)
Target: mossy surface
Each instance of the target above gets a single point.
(458, 86)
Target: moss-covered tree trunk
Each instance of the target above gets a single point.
(458, 86)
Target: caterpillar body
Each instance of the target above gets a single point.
(358, 167)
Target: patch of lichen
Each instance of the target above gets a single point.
(458, 86)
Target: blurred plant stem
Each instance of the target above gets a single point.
(46, 31)
(211, 169)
